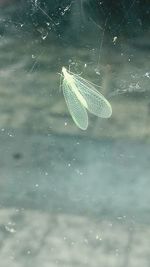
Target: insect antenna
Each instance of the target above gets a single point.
(101, 42)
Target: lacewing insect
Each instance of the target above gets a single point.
(80, 95)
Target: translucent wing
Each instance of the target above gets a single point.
(77, 110)
(96, 102)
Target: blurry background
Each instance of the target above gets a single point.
(66, 194)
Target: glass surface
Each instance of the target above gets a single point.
(72, 197)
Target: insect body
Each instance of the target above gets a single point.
(80, 96)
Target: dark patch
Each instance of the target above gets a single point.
(17, 155)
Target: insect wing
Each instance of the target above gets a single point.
(77, 110)
(96, 102)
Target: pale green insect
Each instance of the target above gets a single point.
(80, 96)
